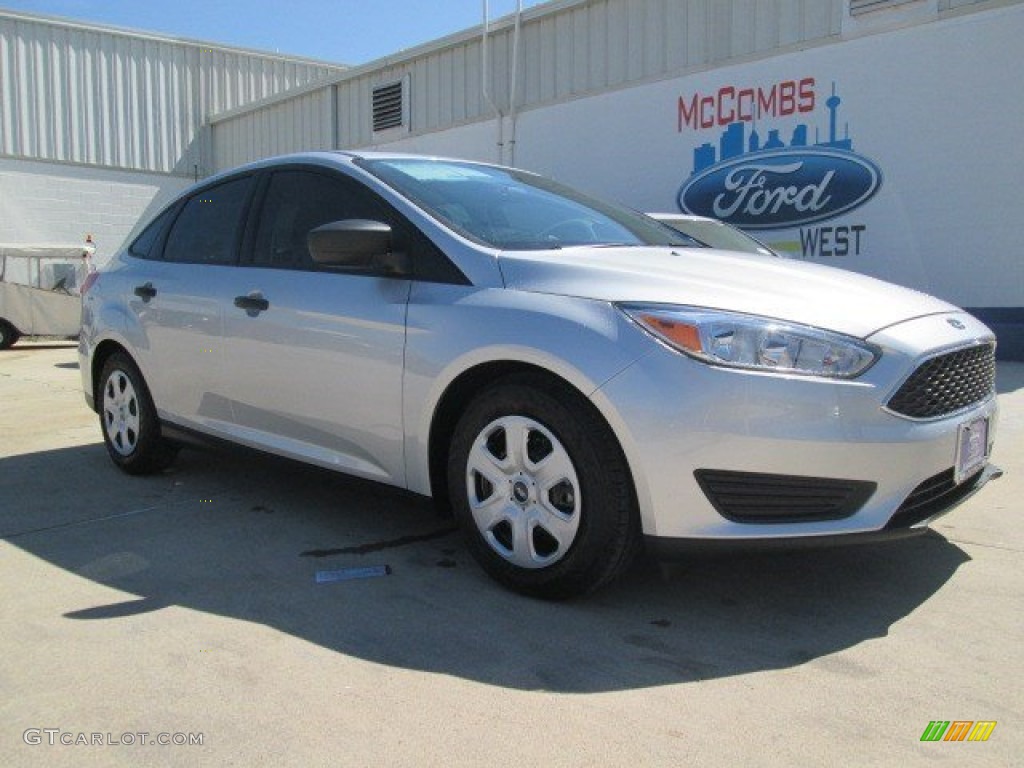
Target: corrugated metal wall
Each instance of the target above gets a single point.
(81, 94)
(302, 122)
(567, 49)
(85, 94)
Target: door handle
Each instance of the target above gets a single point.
(145, 292)
(252, 303)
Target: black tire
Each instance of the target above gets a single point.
(128, 419)
(602, 510)
(8, 335)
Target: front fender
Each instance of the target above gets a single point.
(455, 329)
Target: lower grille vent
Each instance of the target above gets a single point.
(751, 497)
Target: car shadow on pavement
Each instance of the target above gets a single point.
(231, 535)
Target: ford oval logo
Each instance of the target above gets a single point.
(782, 188)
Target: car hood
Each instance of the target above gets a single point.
(798, 292)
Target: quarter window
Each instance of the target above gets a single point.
(207, 230)
(144, 244)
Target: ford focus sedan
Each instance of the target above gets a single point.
(571, 378)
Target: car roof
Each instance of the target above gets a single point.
(336, 157)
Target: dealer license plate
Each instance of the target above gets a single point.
(971, 448)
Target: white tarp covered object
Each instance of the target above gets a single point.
(40, 285)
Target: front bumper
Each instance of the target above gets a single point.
(675, 417)
(665, 548)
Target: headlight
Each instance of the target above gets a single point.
(757, 343)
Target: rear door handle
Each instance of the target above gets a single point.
(252, 303)
(145, 292)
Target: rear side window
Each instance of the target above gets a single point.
(207, 231)
(145, 243)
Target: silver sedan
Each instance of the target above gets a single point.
(571, 378)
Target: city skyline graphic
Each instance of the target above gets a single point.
(734, 141)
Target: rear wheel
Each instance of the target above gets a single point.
(8, 335)
(131, 431)
(542, 490)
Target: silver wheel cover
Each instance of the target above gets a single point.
(121, 413)
(523, 492)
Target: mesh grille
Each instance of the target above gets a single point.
(947, 383)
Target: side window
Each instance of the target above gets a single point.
(299, 201)
(143, 245)
(206, 231)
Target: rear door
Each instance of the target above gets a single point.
(177, 294)
(314, 356)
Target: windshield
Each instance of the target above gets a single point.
(512, 210)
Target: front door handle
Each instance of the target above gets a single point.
(145, 292)
(252, 303)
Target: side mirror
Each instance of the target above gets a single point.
(357, 244)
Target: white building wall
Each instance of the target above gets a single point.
(934, 105)
(567, 49)
(928, 89)
(59, 203)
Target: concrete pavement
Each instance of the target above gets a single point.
(187, 604)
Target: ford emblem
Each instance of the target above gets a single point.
(782, 188)
(955, 323)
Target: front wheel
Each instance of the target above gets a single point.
(128, 419)
(542, 490)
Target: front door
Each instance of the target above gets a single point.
(314, 357)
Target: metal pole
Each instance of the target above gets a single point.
(513, 94)
(484, 77)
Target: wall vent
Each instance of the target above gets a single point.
(388, 107)
(857, 7)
